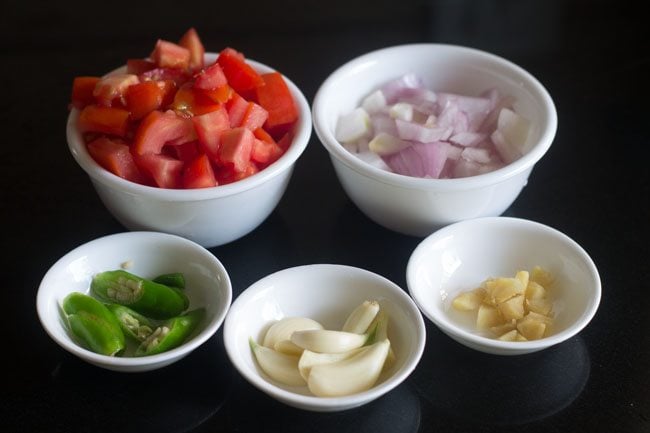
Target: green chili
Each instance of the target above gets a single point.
(93, 324)
(133, 324)
(175, 279)
(144, 296)
(172, 334)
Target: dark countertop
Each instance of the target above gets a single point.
(593, 185)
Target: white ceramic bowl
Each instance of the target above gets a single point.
(208, 216)
(459, 257)
(417, 206)
(207, 286)
(327, 294)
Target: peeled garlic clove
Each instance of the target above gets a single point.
(278, 366)
(282, 329)
(309, 359)
(361, 317)
(326, 341)
(349, 376)
(287, 347)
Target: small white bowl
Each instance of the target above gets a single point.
(208, 216)
(417, 206)
(459, 257)
(148, 254)
(327, 294)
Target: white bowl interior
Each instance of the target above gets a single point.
(443, 68)
(148, 254)
(327, 294)
(461, 256)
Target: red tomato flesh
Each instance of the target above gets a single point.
(114, 156)
(111, 121)
(236, 107)
(241, 76)
(113, 87)
(165, 171)
(235, 149)
(275, 97)
(191, 41)
(198, 173)
(143, 98)
(170, 55)
(254, 117)
(139, 66)
(208, 130)
(158, 129)
(210, 78)
(82, 91)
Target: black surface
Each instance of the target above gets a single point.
(593, 185)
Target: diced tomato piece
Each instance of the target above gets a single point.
(254, 116)
(166, 171)
(208, 129)
(192, 42)
(227, 175)
(82, 91)
(178, 76)
(235, 149)
(139, 66)
(193, 102)
(265, 152)
(143, 98)
(113, 87)
(285, 141)
(275, 97)
(186, 152)
(261, 134)
(236, 107)
(112, 121)
(198, 173)
(158, 129)
(241, 76)
(170, 55)
(210, 78)
(114, 156)
(221, 94)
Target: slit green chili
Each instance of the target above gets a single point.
(144, 296)
(171, 334)
(133, 324)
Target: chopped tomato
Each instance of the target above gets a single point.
(235, 149)
(275, 97)
(113, 87)
(241, 76)
(114, 156)
(254, 117)
(165, 171)
(82, 91)
(285, 141)
(143, 98)
(208, 130)
(158, 129)
(170, 55)
(112, 121)
(191, 102)
(265, 152)
(236, 107)
(210, 78)
(139, 66)
(198, 173)
(178, 76)
(227, 175)
(193, 44)
(221, 94)
(261, 134)
(186, 152)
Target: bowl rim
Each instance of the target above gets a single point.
(338, 152)
(99, 174)
(42, 302)
(310, 401)
(447, 325)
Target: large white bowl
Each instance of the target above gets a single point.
(208, 216)
(149, 254)
(327, 294)
(459, 257)
(417, 206)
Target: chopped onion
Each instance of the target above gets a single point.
(419, 160)
(385, 144)
(421, 133)
(353, 126)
